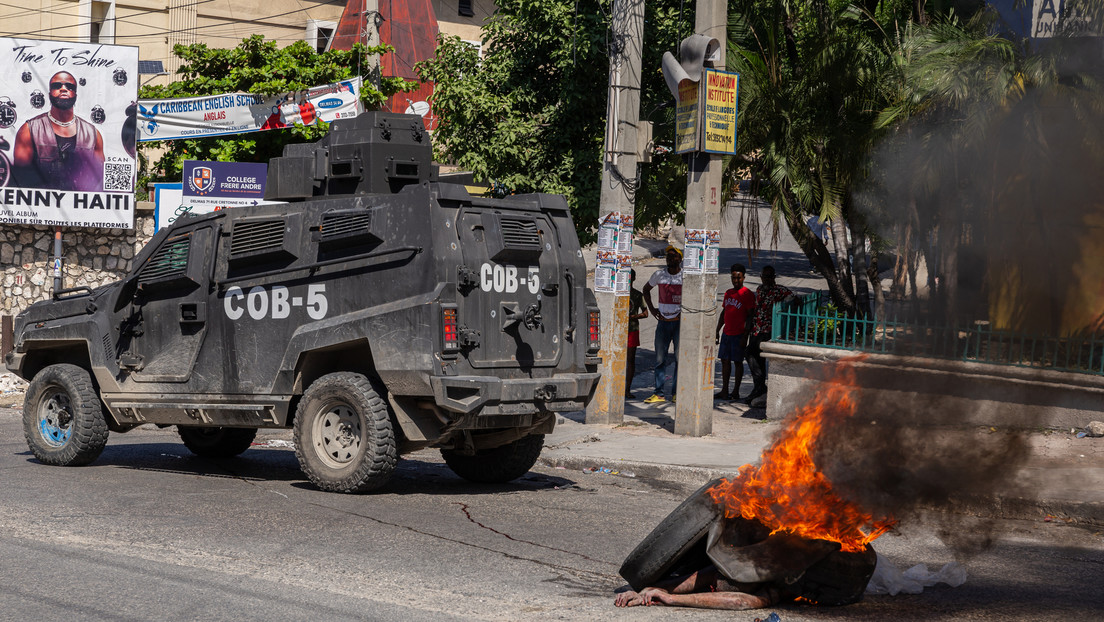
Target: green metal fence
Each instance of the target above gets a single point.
(812, 320)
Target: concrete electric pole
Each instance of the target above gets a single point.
(697, 352)
(619, 184)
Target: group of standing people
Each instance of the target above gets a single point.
(745, 320)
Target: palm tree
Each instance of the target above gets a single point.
(811, 87)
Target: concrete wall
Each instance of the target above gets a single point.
(938, 392)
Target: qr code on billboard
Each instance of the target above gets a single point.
(117, 176)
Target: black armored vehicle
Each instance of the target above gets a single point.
(378, 310)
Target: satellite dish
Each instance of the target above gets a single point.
(419, 108)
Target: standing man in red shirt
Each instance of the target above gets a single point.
(735, 318)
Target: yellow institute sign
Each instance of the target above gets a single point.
(687, 126)
(721, 95)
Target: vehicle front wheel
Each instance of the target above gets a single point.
(498, 464)
(215, 442)
(63, 419)
(343, 435)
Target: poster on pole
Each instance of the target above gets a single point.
(605, 272)
(609, 231)
(624, 275)
(687, 130)
(721, 96)
(712, 251)
(693, 253)
(237, 113)
(67, 133)
(625, 237)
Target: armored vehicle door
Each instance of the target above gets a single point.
(512, 290)
(167, 319)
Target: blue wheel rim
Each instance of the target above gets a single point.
(55, 418)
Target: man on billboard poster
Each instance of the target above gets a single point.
(58, 149)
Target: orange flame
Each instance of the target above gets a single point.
(788, 493)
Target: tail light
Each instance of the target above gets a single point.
(449, 329)
(594, 330)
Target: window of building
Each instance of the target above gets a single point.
(320, 34)
(100, 21)
(466, 8)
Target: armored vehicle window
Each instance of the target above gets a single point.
(513, 238)
(254, 237)
(263, 244)
(521, 234)
(168, 265)
(346, 227)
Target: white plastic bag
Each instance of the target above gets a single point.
(888, 579)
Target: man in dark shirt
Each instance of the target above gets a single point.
(766, 295)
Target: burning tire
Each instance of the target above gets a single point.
(496, 465)
(343, 435)
(672, 540)
(838, 579)
(63, 419)
(214, 442)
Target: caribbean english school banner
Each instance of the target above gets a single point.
(67, 133)
(237, 113)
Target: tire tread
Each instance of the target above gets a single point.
(89, 434)
(380, 455)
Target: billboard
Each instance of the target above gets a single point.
(237, 113)
(67, 133)
(211, 186)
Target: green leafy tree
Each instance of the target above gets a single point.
(529, 116)
(262, 68)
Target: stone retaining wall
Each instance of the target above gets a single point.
(93, 257)
(939, 392)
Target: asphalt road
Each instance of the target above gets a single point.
(150, 532)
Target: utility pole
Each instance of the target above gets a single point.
(697, 353)
(619, 184)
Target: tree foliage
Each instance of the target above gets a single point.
(529, 116)
(262, 68)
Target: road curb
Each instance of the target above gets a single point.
(688, 476)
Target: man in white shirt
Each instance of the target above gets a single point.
(669, 282)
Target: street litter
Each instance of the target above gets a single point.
(773, 617)
(608, 471)
(274, 443)
(888, 579)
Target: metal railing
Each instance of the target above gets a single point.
(812, 320)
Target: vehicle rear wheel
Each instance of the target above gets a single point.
(343, 435)
(215, 442)
(498, 464)
(677, 535)
(63, 419)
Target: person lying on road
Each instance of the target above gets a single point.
(706, 589)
